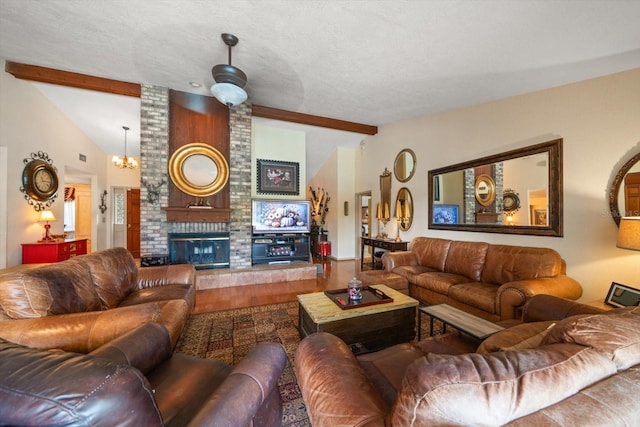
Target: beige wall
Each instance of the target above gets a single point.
(29, 122)
(284, 145)
(598, 120)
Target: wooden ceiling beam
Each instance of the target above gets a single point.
(84, 81)
(67, 78)
(308, 119)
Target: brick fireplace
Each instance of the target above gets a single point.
(154, 154)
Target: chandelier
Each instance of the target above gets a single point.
(124, 161)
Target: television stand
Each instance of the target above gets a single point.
(279, 249)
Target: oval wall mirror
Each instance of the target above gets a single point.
(405, 165)
(198, 169)
(624, 188)
(404, 208)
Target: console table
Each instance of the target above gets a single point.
(54, 251)
(389, 245)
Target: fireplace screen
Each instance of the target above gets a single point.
(203, 250)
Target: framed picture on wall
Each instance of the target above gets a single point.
(445, 214)
(276, 177)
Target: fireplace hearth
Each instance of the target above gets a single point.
(203, 250)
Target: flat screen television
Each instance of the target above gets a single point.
(280, 216)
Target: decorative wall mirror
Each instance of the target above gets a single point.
(475, 192)
(385, 195)
(405, 165)
(624, 198)
(404, 209)
(198, 169)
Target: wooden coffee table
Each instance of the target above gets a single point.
(461, 320)
(364, 329)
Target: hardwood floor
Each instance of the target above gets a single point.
(335, 275)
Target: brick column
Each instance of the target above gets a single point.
(154, 153)
(240, 182)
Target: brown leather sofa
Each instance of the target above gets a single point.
(135, 380)
(559, 368)
(84, 302)
(489, 281)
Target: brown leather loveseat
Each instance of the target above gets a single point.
(84, 302)
(135, 380)
(559, 368)
(489, 281)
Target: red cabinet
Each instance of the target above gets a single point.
(41, 252)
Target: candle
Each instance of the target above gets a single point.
(398, 209)
(407, 210)
(386, 211)
(378, 212)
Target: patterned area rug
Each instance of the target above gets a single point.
(229, 335)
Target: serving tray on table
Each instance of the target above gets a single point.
(370, 296)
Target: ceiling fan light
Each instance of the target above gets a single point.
(229, 94)
(227, 73)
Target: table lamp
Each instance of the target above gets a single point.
(46, 216)
(629, 233)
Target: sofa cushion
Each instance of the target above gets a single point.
(493, 389)
(615, 333)
(430, 252)
(511, 263)
(519, 337)
(114, 274)
(466, 259)
(476, 294)
(439, 282)
(48, 290)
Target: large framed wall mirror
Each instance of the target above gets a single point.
(481, 192)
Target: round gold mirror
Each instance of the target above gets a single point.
(485, 190)
(404, 208)
(622, 196)
(198, 169)
(405, 165)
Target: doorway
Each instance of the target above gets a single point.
(363, 222)
(126, 219)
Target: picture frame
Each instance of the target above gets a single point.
(540, 217)
(445, 214)
(278, 177)
(620, 295)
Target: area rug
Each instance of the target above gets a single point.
(229, 335)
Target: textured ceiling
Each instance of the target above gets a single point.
(368, 61)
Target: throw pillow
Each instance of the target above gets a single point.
(525, 335)
(615, 333)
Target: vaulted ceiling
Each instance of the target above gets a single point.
(367, 61)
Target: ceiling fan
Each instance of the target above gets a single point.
(230, 80)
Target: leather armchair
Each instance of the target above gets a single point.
(135, 380)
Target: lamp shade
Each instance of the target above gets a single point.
(229, 94)
(46, 216)
(629, 233)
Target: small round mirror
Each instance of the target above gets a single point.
(485, 190)
(405, 165)
(198, 169)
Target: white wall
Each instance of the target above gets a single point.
(29, 122)
(599, 122)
